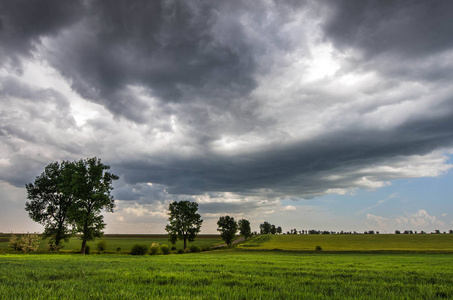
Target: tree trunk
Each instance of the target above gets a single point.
(185, 239)
(84, 243)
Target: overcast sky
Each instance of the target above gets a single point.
(332, 115)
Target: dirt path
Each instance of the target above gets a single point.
(224, 245)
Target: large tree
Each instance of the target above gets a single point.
(91, 186)
(50, 201)
(184, 221)
(228, 228)
(244, 228)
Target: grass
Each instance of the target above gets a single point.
(359, 243)
(228, 275)
(125, 241)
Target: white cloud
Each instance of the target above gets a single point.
(420, 219)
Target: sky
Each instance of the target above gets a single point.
(328, 115)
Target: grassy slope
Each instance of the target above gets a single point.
(362, 242)
(228, 275)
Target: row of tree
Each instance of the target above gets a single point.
(68, 198)
(184, 223)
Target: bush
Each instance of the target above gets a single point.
(138, 249)
(87, 249)
(154, 249)
(14, 243)
(173, 248)
(118, 249)
(102, 245)
(180, 251)
(194, 248)
(318, 248)
(165, 249)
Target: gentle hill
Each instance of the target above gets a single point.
(359, 242)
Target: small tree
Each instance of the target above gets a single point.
(184, 221)
(265, 228)
(279, 230)
(228, 228)
(244, 228)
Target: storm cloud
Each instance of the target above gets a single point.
(252, 101)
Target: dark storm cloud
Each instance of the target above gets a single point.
(403, 28)
(196, 73)
(168, 48)
(302, 168)
(23, 23)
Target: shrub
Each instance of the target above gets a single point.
(102, 245)
(29, 242)
(138, 249)
(165, 249)
(14, 243)
(87, 249)
(173, 248)
(194, 248)
(180, 251)
(154, 249)
(318, 248)
(118, 249)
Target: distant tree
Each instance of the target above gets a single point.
(228, 228)
(279, 230)
(273, 229)
(397, 232)
(265, 228)
(50, 201)
(91, 187)
(244, 228)
(185, 222)
(450, 231)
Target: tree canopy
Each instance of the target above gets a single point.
(69, 197)
(184, 221)
(228, 228)
(50, 201)
(244, 228)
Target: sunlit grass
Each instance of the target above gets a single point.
(228, 275)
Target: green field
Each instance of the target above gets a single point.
(125, 241)
(359, 242)
(228, 275)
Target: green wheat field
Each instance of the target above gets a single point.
(265, 267)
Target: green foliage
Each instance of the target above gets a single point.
(87, 249)
(194, 249)
(27, 242)
(139, 249)
(69, 197)
(228, 275)
(118, 249)
(165, 249)
(265, 228)
(180, 251)
(228, 228)
(318, 248)
(244, 228)
(49, 202)
(91, 187)
(154, 249)
(14, 243)
(184, 221)
(102, 246)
